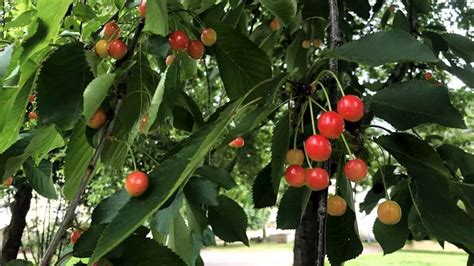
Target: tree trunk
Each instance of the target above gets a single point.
(310, 239)
(14, 231)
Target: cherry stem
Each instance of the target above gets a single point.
(317, 104)
(326, 95)
(312, 115)
(306, 155)
(347, 146)
(324, 72)
(387, 196)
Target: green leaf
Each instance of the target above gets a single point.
(83, 12)
(45, 139)
(60, 98)
(217, 175)
(201, 191)
(40, 178)
(409, 104)
(342, 239)
(240, 71)
(109, 207)
(78, 155)
(464, 192)
(457, 158)
(429, 181)
(262, 190)
(19, 263)
(296, 56)
(284, 10)
(417, 229)
(292, 207)
(280, 143)
(228, 220)
(164, 181)
(378, 190)
(141, 84)
(170, 224)
(343, 185)
(465, 74)
(265, 38)
(22, 20)
(460, 45)
(156, 17)
(87, 242)
(401, 22)
(394, 237)
(384, 47)
(141, 251)
(96, 92)
(233, 15)
(50, 14)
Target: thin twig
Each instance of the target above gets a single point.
(92, 163)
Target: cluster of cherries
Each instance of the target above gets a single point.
(180, 42)
(111, 44)
(318, 148)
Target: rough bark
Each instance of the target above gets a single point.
(14, 231)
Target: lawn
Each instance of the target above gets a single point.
(418, 258)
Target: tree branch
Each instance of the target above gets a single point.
(68, 217)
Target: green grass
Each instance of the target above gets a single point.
(418, 258)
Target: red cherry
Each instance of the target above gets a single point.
(275, 25)
(208, 37)
(238, 142)
(330, 125)
(142, 8)
(117, 49)
(111, 31)
(318, 148)
(355, 170)
(428, 76)
(31, 98)
(195, 49)
(178, 40)
(351, 108)
(75, 236)
(32, 116)
(136, 183)
(317, 178)
(295, 176)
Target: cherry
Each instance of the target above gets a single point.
(102, 48)
(295, 156)
(318, 148)
(178, 40)
(208, 37)
(428, 76)
(317, 178)
(75, 236)
(8, 181)
(117, 49)
(317, 43)
(170, 59)
(142, 8)
(330, 125)
(32, 116)
(111, 31)
(351, 108)
(295, 175)
(136, 183)
(195, 49)
(355, 170)
(337, 206)
(389, 212)
(306, 44)
(238, 142)
(275, 25)
(31, 98)
(98, 119)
